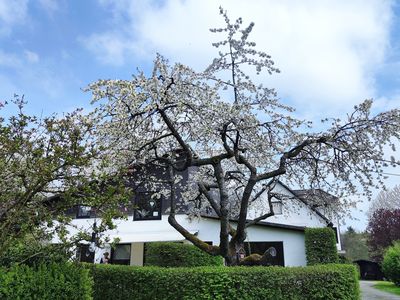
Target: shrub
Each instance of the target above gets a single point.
(384, 229)
(53, 281)
(32, 252)
(391, 263)
(320, 246)
(342, 259)
(165, 254)
(277, 283)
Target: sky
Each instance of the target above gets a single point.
(332, 54)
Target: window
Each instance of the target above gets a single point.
(121, 254)
(84, 255)
(277, 207)
(83, 212)
(336, 234)
(147, 207)
(275, 255)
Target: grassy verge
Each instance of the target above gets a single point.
(387, 287)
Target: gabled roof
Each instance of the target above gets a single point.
(313, 195)
(265, 224)
(302, 196)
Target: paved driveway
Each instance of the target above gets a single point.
(370, 293)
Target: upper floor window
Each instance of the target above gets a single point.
(147, 207)
(277, 207)
(83, 211)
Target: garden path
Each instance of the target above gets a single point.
(370, 293)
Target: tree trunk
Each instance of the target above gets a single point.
(237, 256)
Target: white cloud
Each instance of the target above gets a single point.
(39, 76)
(15, 61)
(8, 88)
(50, 6)
(108, 47)
(12, 13)
(387, 102)
(328, 51)
(31, 56)
(65, 54)
(9, 60)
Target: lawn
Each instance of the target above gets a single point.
(387, 287)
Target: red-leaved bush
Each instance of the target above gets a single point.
(384, 230)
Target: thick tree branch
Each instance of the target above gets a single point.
(290, 154)
(266, 215)
(213, 250)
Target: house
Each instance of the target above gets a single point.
(148, 222)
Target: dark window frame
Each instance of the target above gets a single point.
(158, 207)
(81, 216)
(121, 261)
(281, 207)
(335, 230)
(84, 255)
(260, 247)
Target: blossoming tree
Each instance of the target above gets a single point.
(237, 135)
(386, 199)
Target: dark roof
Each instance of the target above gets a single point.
(365, 261)
(311, 195)
(266, 224)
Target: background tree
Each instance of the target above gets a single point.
(46, 166)
(238, 136)
(383, 229)
(386, 199)
(355, 244)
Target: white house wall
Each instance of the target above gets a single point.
(293, 241)
(138, 232)
(294, 212)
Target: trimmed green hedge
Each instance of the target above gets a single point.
(31, 252)
(165, 254)
(55, 281)
(320, 246)
(328, 282)
(391, 263)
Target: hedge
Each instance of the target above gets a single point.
(165, 254)
(320, 246)
(32, 252)
(328, 282)
(54, 281)
(391, 263)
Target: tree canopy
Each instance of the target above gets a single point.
(384, 230)
(355, 244)
(48, 165)
(386, 199)
(238, 135)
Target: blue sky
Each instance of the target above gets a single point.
(332, 54)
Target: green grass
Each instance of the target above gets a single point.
(387, 287)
